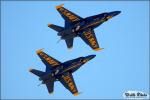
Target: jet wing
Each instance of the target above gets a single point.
(89, 38)
(47, 60)
(69, 42)
(67, 15)
(68, 82)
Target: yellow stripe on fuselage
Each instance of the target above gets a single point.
(74, 66)
(92, 24)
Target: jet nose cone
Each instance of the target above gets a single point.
(114, 13)
(90, 57)
(117, 12)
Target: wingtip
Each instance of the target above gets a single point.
(76, 94)
(49, 25)
(101, 48)
(59, 6)
(70, 48)
(51, 93)
(97, 49)
(30, 69)
(39, 51)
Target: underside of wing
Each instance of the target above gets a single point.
(68, 82)
(89, 38)
(47, 60)
(67, 15)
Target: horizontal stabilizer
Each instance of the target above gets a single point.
(55, 27)
(50, 86)
(69, 43)
(36, 72)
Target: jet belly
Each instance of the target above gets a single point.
(78, 26)
(94, 24)
(71, 68)
(67, 34)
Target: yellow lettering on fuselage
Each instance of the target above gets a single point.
(72, 67)
(108, 17)
(93, 24)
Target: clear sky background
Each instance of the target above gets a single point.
(123, 64)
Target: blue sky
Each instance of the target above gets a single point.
(123, 64)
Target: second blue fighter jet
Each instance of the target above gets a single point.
(57, 71)
(82, 27)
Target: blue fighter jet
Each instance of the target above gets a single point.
(76, 26)
(57, 71)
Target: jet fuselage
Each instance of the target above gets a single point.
(68, 66)
(76, 26)
(90, 22)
